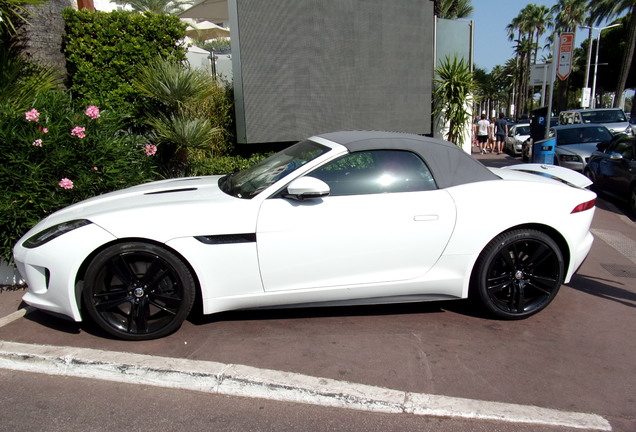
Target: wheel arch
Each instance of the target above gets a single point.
(548, 230)
(81, 273)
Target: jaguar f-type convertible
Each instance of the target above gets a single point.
(343, 218)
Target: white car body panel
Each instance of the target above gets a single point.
(406, 246)
(297, 242)
(566, 175)
(515, 141)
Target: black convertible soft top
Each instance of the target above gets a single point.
(449, 164)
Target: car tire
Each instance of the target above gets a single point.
(518, 273)
(138, 291)
(632, 199)
(587, 172)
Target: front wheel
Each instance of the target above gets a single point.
(518, 273)
(138, 291)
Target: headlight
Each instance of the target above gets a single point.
(569, 158)
(53, 232)
(629, 130)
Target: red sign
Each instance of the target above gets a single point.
(564, 55)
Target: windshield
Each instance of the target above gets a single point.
(583, 135)
(248, 183)
(523, 130)
(604, 116)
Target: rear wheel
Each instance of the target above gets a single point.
(519, 273)
(138, 291)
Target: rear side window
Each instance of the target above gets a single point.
(377, 171)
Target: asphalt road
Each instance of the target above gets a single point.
(578, 355)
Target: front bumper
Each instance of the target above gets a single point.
(51, 270)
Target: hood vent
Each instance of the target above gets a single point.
(171, 191)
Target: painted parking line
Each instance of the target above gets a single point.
(15, 315)
(246, 381)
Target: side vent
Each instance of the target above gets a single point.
(227, 238)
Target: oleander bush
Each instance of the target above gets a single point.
(58, 153)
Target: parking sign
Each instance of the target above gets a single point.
(564, 56)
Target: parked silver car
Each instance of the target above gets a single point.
(575, 143)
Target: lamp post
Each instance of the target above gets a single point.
(598, 45)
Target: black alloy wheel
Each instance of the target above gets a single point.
(519, 273)
(138, 291)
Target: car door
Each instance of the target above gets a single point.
(617, 167)
(379, 224)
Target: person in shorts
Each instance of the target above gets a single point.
(482, 134)
(501, 130)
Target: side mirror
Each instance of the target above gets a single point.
(616, 156)
(306, 188)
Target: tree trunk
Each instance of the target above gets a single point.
(627, 59)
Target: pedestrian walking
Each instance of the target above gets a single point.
(491, 135)
(482, 134)
(501, 131)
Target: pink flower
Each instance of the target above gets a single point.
(32, 115)
(94, 168)
(78, 131)
(92, 111)
(150, 149)
(37, 143)
(66, 183)
(43, 129)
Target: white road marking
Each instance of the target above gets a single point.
(246, 381)
(618, 241)
(15, 315)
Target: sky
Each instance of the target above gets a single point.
(491, 39)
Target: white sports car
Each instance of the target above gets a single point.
(339, 219)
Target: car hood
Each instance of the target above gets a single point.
(584, 149)
(163, 210)
(618, 127)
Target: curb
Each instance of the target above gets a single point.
(251, 382)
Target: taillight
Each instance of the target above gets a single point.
(584, 206)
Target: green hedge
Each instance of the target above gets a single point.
(103, 51)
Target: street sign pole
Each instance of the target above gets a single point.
(551, 91)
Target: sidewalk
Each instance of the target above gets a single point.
(495, 160)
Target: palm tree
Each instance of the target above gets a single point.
(12, 14)
(524, 26)
(451, 95)
(453, 9)
(540, 17)
(568, 16)
(602, 10)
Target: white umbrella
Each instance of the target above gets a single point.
(211, 10)
(205, 30)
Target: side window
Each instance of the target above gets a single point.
(377, 171)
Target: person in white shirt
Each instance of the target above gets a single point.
(482, 133)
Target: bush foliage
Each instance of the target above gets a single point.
(59, 153)
(104, 51)
(62, 146)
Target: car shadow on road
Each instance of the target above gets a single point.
(598, 287)
(613, 205)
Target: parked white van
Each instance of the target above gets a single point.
(612, 118)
